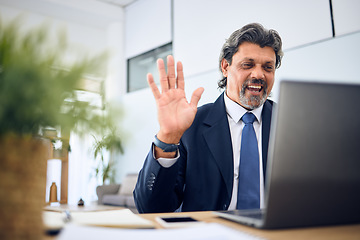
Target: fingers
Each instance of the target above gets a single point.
(152, 85)
(180, 76)
(196, 97)
(171, 71)
(162, 75)
(169, 80)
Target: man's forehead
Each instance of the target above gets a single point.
(251, 51)
(254, 60)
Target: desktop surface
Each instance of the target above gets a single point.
(349, 232)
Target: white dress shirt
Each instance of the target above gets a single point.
(234, 114)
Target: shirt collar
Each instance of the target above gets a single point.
(236, 111)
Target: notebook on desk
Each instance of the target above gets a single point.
(313, 174)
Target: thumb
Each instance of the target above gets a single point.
(196, 97)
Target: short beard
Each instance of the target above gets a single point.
(254, 101)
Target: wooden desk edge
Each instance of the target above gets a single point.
(325, 232)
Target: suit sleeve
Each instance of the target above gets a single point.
(159, 189)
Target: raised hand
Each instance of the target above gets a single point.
(175, 113)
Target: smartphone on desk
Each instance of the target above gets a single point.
(177, 221)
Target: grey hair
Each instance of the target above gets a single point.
(253, 33)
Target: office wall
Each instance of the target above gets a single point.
(201, 27)
(199, 30)
(346, 16)
(148, 25)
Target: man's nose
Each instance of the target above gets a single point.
(258, 72)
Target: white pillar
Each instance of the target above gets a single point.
(115, 84)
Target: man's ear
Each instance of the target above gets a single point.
(224, 67)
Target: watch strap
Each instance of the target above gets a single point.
(166, 147)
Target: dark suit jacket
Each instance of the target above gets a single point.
(202, 178)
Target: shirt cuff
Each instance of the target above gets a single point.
(166, 162)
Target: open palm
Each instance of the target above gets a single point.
(175, 113)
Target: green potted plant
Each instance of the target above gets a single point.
(112, 143)
(37, 90)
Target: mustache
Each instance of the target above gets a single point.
(254, 81)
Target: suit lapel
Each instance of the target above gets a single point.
(266, 119)
(217, 136)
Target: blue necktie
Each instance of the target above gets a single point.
(249, 179)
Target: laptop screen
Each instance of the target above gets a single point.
(314, 158)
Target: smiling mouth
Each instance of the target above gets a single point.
(255, 88)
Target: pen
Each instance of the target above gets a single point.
(67, 216)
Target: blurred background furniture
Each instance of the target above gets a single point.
(118, 194)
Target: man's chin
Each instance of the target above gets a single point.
(252, 102)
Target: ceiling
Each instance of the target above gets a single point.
(97, 13)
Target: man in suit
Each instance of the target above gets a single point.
(194, 162)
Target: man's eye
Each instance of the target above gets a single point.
(269, 68)
(247, 65)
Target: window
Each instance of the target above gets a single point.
(145, 63)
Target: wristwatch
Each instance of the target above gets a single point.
(166, 147)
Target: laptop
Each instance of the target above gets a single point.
(313, 174)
